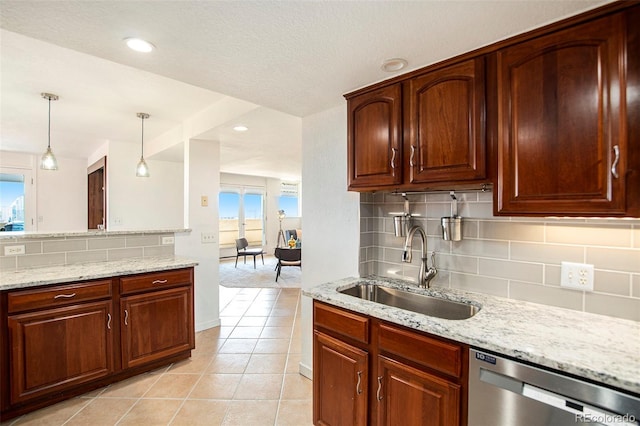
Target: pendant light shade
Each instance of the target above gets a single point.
(49, 161)
(142, 170)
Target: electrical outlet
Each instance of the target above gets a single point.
(167, 240)
(208, 237)
(578, 276)
(204, 201)
(13, 250)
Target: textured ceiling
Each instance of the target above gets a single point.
(297, 57)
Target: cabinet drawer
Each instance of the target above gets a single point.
(342, 322)
(59, 295)
(432, 353)
(143, 282)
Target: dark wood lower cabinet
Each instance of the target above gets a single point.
(410, 397)
(63, 340)
(390, 375)
(155, 325)
(56, 349)
(342, 394)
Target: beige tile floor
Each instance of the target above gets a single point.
(243, 373)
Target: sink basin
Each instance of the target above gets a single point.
(427, 305)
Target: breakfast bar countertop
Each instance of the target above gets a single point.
(33, 277)
(596, 347)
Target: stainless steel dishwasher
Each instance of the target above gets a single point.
(503, 392)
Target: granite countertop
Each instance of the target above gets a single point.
(597, 347)
(87, 271)
(20, 235)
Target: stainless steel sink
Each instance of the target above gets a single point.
(427, 305)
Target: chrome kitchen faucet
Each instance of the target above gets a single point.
(426, 274)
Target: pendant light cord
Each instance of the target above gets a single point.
(142, 153)
(49, 134)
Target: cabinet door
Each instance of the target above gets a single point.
(407, 396)
(561, 122)
(56, 349)
(374, 138)
(156, 325)
(445, 123)
(340, 382)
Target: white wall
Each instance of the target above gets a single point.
(155, 202)
(202, 177)
(331, 214)
(62, 196)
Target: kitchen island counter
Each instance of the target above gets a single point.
(24, 278)
(595, 347)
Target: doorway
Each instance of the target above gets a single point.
(241, 215)
(97, 194)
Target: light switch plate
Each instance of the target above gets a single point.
(204, 201)
(578, 276)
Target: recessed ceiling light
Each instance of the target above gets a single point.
(394, 64)
(240, 128)
(139, 45)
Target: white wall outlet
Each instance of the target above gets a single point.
(167, 240)
(13, 250)
(578, 276)
(117, 221)
(208, 237)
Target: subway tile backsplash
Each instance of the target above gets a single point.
(49, 251)
(518, 258)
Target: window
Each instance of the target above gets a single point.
(12, 202)
(288, 199)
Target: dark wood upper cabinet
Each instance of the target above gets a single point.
(562, 145)
(375, 138)
(444, 124)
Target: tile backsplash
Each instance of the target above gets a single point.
(518, 258)
(66, 250)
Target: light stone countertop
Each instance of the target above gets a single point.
(87, 271)
(20, 235)
(596, 347)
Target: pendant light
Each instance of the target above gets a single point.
(142, 170)
(49, 161)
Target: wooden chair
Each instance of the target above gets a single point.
(288, 257)
(242, 250)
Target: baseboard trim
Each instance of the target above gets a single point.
(305, 370)
(207, 325)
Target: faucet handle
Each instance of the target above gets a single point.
(433, 259)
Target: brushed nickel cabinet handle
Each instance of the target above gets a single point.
(379, 388)
(160, 281)
(393, 158)
(64, 296)
(108, 321)
(614, 166)
(126, 317)
(358, 388)
(413, 151)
